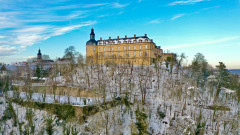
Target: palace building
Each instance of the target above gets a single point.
(138, 50)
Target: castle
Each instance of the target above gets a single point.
(137, 50)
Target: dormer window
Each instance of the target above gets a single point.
(140, 41)
(119, 42)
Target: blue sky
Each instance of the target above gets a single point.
(190, 26)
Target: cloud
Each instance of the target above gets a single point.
(63, 30)
(177, 16)
(6, 50)
(24, 25)
(30, 36)
(118, 5)
(204, 43)
(156, 21)
(186, 2)
(30, 57)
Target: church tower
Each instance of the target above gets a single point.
(92, 48)
(39, 55)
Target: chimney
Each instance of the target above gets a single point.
(117, 37)
(134, 35)
(101, 38)
(109, 38)
(125, 36)
(145, 35)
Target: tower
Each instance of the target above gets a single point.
(92, 48)
(39, 55)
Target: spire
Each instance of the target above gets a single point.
(92, 35)
(39, 55)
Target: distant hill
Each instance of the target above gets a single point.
(235, 71)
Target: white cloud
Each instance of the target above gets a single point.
(186, 2)
(30, 57)
(204, 43)
(33, 29)
(32, 35)
(2, 36)
(177, 16)
(118, 5)
(6, 50)
(156, 21)
(63, 30)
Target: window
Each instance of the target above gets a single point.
(112, 48)
(94, 49)
(134, 54)
(129, 47)
(99, 49)
(139, 53)
(108, 48)
(124, 47)
(146, 46)
(140, 47)
(112, 54)
(134, 47)
(118, 54)
(125, 54)
(118, 48)
(103, 55)
(103, 48)
(146, 54)
(129, 54)
(108, 54)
